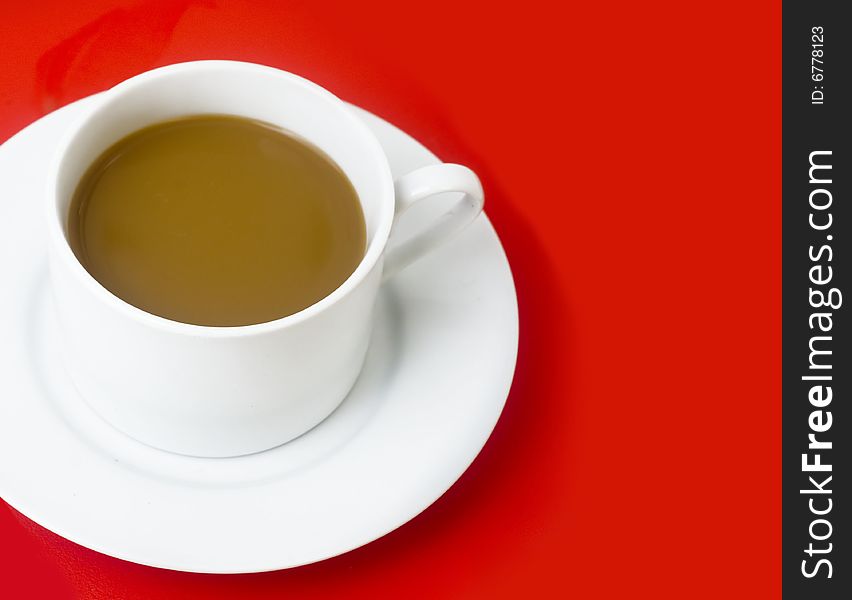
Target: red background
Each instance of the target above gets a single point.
(630, 154)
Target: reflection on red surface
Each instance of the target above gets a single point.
(105, 49)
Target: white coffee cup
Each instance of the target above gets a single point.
(228, 391)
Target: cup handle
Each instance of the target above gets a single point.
(423, 183)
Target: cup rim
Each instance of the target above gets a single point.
(372, 255)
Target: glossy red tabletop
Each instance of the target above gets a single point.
(630, 154)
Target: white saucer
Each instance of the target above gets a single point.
(436, 378)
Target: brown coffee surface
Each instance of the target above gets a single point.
(217, 220)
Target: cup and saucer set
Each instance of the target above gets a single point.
(259, 447)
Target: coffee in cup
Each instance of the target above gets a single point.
(217, 220)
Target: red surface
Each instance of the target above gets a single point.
(639, 453)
